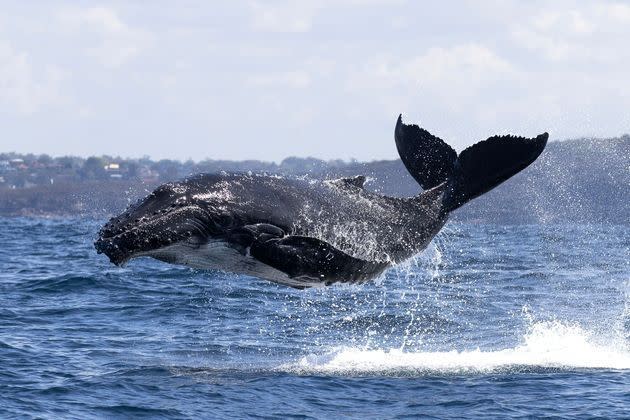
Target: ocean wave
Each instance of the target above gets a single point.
(549, 344)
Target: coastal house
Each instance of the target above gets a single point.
(113, 169)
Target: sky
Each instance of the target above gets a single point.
(322, 78)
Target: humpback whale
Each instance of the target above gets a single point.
(303, 232)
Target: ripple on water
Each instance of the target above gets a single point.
(488, 322)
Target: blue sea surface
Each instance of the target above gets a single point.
(489, 322)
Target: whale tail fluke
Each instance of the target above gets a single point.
(485, 165)
(428, 158)
(473, 172)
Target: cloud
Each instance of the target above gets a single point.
(617, 11)
(468, 65)
(25, 88)
(454, 76)
(560, 33)
(291, 79)
(330, 69)
(288, 17)
(113, 42)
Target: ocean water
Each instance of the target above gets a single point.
(490, 321)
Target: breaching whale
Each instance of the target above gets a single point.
(305, 232)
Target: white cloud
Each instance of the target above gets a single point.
(467, 65)
(454, 75)
(331, 69)
(24, 88)
(597, 31)
(291, 17)
(552, 48)
(115, 42)
(291, 79)
(617, 11)
(287, 16)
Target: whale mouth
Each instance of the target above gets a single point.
(151, 225)
(116, 254)
(145, 235)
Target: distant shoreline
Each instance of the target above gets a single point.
(578, 181)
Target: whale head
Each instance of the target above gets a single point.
(167, 216)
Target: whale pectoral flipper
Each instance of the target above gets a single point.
(313, 260)
(245, 236)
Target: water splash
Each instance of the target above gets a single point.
(548, 344)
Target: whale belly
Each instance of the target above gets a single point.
(220, 255)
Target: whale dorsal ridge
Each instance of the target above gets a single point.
(351, 181)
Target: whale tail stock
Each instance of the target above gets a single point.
(475, 171)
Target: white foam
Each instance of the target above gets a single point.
(547, 345)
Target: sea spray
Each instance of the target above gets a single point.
(549, 344)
